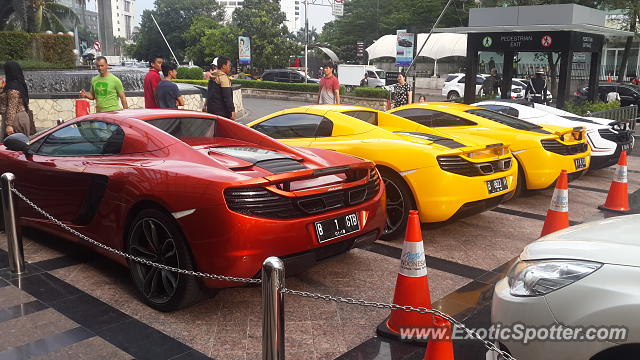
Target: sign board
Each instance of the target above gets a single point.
(97, 46)
(244, 50)
(404, 48)
(360, 48)
(537, 41)
(337, 9)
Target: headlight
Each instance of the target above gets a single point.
(540, 277)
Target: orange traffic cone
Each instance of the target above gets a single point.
(82, 107)
(618, 197)
(442, 347)
(608, 78)
(388, 106)
(558, 213)
(412, 288)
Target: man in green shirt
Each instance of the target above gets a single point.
(105, 89)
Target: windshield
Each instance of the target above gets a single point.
(186, 127)
(381, 74)
(504, 119)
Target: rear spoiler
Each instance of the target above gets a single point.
(577, 132)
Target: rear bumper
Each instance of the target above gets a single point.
(440, 195)
(542, 168)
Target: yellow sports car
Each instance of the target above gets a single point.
(541, 151)
(440, 175)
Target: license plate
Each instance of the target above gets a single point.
(581, 163)
(626, 146)
(333, 228)
(497, 185)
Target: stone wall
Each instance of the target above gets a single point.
(48, 109)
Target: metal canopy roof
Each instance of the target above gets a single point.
(608, 32)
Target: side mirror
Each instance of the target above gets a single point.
(17, 142)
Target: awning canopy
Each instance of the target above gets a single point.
(440, 45)
(587, 28)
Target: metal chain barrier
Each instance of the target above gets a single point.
(338, 299)
(421, 310)
(131, 257)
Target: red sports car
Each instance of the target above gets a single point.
(193, 191)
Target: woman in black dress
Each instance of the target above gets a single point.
(402, 94)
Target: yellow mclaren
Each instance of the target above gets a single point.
(541, 151)
(442, 176)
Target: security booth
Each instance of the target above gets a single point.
(567, 32)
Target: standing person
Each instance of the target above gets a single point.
(106, 88)
(365, 81)
(167, 94)
(15, 102)
(151, 81)
(402, 94)
(212, 68)
(220, 94)
(537, 87)
(491, 84)
(329, 87)
(492, 64)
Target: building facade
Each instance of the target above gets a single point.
(292, 8)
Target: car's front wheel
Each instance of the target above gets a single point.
(399, 202)
(155, 237)
(452, 95)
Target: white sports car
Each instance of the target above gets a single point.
(581, 281)
(606, 137)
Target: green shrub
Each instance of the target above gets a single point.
(38, 48)
(53, 48)
(190, 73)
(15, 45)
(581, 108)
(370, 92)
(40, 65)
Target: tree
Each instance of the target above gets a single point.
(194, 38)
(263, 22)
(39, 15)
(175, 19)
(298, 36)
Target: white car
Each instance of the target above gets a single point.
(585, 276)
(606, 139)
(453, 87)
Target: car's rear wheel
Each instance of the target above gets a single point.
(521, 184)
(399, 202)
(452, 95)
(154, 236)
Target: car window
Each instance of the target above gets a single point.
(283, 76)
(433, 118)
(371, 74)
(504, 119)
(462, 80)
(186, 127)
(367, 116)
(625, 91)
(503, 109)
(381, 74)
(290, 126)
(296, 77)
(268, 76)
(451, 78)
(83, 138)
(479, 80)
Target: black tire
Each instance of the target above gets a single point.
(521, 185)
(155, 236)
(399, 202)
(453, 95)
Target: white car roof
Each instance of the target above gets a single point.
(539, 116)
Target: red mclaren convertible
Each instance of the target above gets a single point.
(193, 191)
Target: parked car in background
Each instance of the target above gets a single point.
(246, 77)
(351, 75)
(287, 76)
(453, 87)
(419, 167)
(193, 191)
(606, 138)
(584, 276)
(629, 94)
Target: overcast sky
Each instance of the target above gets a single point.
(318, 15)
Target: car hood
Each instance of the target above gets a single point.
(610, 241)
